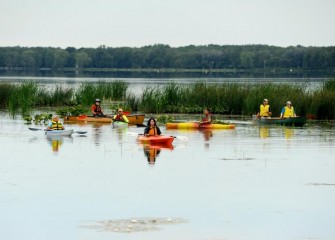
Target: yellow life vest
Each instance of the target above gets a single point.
(288, 112)
(263, 112)
(56, 125)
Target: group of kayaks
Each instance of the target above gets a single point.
(167, 140)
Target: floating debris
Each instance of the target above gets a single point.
(133, 225)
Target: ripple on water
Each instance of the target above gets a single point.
(133, 225)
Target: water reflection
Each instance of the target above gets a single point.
(97, 131)
(288, 132)
(208, 134)
(57, 141)
(151, 152)
(264, 132)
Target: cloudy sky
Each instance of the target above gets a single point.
(136, 23)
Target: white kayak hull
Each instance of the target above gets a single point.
(66, 132)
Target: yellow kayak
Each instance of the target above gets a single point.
(197, 125)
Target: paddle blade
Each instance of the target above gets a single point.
(181, 137)
(133, 133)
(81, 132)
(82, 117)
(35, 129)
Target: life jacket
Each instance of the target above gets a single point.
(263, 110)
(288, 112)
(120, 118)
(56, 125)
(207, 117)
(96, 108)
(152, 131)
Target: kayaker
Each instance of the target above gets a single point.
(287, 111)
(120, 117)
(55, 124)
(152, 129)
(264, 109)
(208, 117)
(96, 108)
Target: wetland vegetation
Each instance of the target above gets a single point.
(221, 98)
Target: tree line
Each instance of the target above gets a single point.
(162, 56)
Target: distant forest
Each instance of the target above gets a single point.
(161, 56)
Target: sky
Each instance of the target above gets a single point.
(138, 23)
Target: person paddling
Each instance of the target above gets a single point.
(152, 129)
(208, 117)
(287, 111)
(264, 110)
(55, 124)
(120, 117)
(96, 109)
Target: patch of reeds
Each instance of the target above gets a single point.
(236, 99)
(223, 98)
(6, 89)
(88, 92)
(22, 99)
(57, 96)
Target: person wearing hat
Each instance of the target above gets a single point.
(264, 110)
(96, 109)
(287, 111)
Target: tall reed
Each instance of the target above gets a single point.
(23, 98)
(88, 92)
(6, 89)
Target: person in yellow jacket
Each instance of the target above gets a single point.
(264, 109)
(287, 111)
(120, 116)
(55, 124)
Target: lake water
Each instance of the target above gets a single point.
(136, 85)
(249, 183)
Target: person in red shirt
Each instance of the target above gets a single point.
(208, 117)
(96, 109)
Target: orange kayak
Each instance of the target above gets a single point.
(196, 125)
(133, 119)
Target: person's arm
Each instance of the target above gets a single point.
(146, 131)
(93, 109)
(158, 131)
(282, 112)
(125, 118)
(49, 126)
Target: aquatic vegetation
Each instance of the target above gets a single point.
(223, 98)
(165, 118)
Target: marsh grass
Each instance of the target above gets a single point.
(6, 89)
(224, 98)
(88, 92)
(237, 99)
(23, 98)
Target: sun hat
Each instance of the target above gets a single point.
(289, 102)
(97, 100)
(265, 100)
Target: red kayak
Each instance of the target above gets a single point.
(156, 140)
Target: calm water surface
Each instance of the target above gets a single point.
(249, 183)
